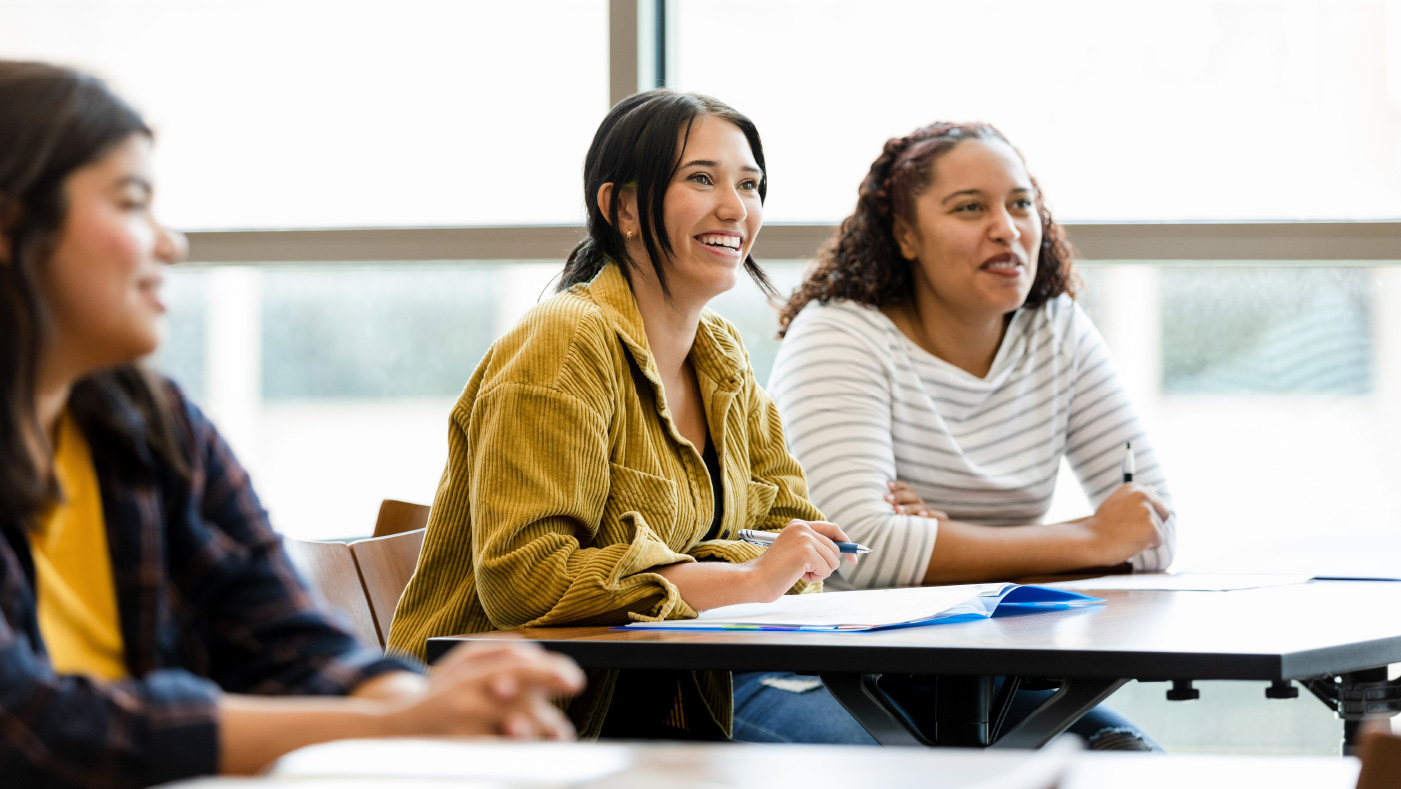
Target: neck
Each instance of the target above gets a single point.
(969, 341)
(670, 323)
(49, 403)
(56, 377)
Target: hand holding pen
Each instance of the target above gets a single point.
(802, 551)
(1126, 523)
(766, 538)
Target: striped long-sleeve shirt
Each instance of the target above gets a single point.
(862, 405)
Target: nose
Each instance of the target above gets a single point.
(1004, 226)
(730, 206)
(171, 246)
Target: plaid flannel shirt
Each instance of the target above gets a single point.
(208, 603)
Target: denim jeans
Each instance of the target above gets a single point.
(766, 712)
(804, 713)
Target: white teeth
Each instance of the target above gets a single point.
(721, 241)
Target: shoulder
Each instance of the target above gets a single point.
(841, 318)
(1062, 317)
(1062, 312)
(562, 337)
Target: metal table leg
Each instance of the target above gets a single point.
(1075, 698)
(871, 708)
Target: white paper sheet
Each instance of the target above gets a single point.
(1180, 582)
(854, 610)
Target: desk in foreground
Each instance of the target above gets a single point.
(432, 763)
(1340, 629)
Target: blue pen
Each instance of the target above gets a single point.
(766, 538)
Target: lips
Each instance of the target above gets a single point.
(1008, 265)
(724, 244)
(151, 288)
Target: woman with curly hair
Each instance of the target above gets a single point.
(936, 354)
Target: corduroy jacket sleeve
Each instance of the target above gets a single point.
(560, 535)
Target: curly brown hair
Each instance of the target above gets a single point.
(862, 261)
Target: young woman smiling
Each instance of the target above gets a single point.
(151, 627)
(608, 449)
(936, 369)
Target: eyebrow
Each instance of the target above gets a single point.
(711, 163)
(962, 192)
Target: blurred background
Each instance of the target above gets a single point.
(1230, 170)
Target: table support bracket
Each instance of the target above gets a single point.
(1075, 698)
(861, 697)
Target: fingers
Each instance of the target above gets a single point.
(816, 542)
(904, 501)
(831, 531)
(1150, 496)
(510, 669)
(538, 720)
(1159, 506)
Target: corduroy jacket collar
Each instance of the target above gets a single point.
(715, 353)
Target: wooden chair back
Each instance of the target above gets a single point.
(330, 568)
(386, 565)
(397, 517)
(1381, 757)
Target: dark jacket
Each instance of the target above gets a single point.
(208, 603)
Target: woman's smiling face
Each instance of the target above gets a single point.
(712, 209)
(975, 237)
(102, 281)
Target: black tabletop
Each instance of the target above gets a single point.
(1283, 632)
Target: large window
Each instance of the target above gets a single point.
(342, 113)
(1147, 110)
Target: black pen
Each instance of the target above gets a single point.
(766, 538)
(1128, 463)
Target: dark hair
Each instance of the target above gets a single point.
(56, 121)
(636, 147)
(862, 262)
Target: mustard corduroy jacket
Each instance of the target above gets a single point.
(567, 480)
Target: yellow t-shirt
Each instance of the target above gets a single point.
(73, 569)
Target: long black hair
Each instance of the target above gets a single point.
(56, 121)
(636, 146)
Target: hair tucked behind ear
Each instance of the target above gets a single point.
(55, 121)
(862, 262)
(636, 146)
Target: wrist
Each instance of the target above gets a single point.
(392, 718)
(752, 586)
(1082, 539)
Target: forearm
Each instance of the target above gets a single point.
(704, 585)
(255, 730)
(967, 553)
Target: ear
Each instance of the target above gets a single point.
(627, 207)
(906, 240)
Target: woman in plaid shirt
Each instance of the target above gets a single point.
(189, 645)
